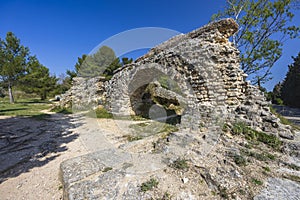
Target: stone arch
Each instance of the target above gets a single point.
(152, 84)
(204, 65)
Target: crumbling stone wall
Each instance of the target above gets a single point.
(84, 94)
(205, 66)
(196, 75)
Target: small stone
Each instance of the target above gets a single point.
(287, 134)
(185, 180)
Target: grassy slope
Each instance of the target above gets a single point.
(23, 107)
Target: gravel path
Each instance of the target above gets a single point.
(31, 150)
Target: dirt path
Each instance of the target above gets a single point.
(31, 150)
(292, 114)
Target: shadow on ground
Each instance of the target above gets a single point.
(12, 109)
(28, 142)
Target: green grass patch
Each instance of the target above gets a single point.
(270, 140)
(168, 128)
(283, 120)
(166, 196)
(256, 181)
(130, 118)
(240, 128)
(137, 118)
(62, 110)
(149, 185)
(240, 160)
(180, 164)
(132, 138)
(100, 113)
(223, 192)
(291, 177)
(267, 169)
(106, 169)
(259, 156)
(103, 113)
(23, 107)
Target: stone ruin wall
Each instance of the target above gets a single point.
(206, 67)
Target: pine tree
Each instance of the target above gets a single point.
(13, 61)
(95, 64)
(291, 85)
(37, 79)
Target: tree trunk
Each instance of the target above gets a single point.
(11, 97)
(43, 95)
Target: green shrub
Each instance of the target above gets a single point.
(270, 140)
(180, 164)
(278, 101)
(267, 169)
(149, 185)
(256, 181)
(239, 128)
(132, 138)
(166, 196)
(259, 156)
(100, 112)
(106, 169)
(240, 160)
(223, 193)
(250, 134)
(103, 113)
(63, 110)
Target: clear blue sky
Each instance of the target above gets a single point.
(59, 31)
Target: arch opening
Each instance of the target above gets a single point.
(151, 101)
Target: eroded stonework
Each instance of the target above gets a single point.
(204, 66)
(194, 81)
(198, 73)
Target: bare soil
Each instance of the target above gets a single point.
(31, 151)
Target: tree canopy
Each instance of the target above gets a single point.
(290, 91)
(102, 63)
(37, 79)
(18, 68)
(95, 64)
(14, 58)
(264, 27)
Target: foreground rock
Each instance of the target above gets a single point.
(182, 169)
